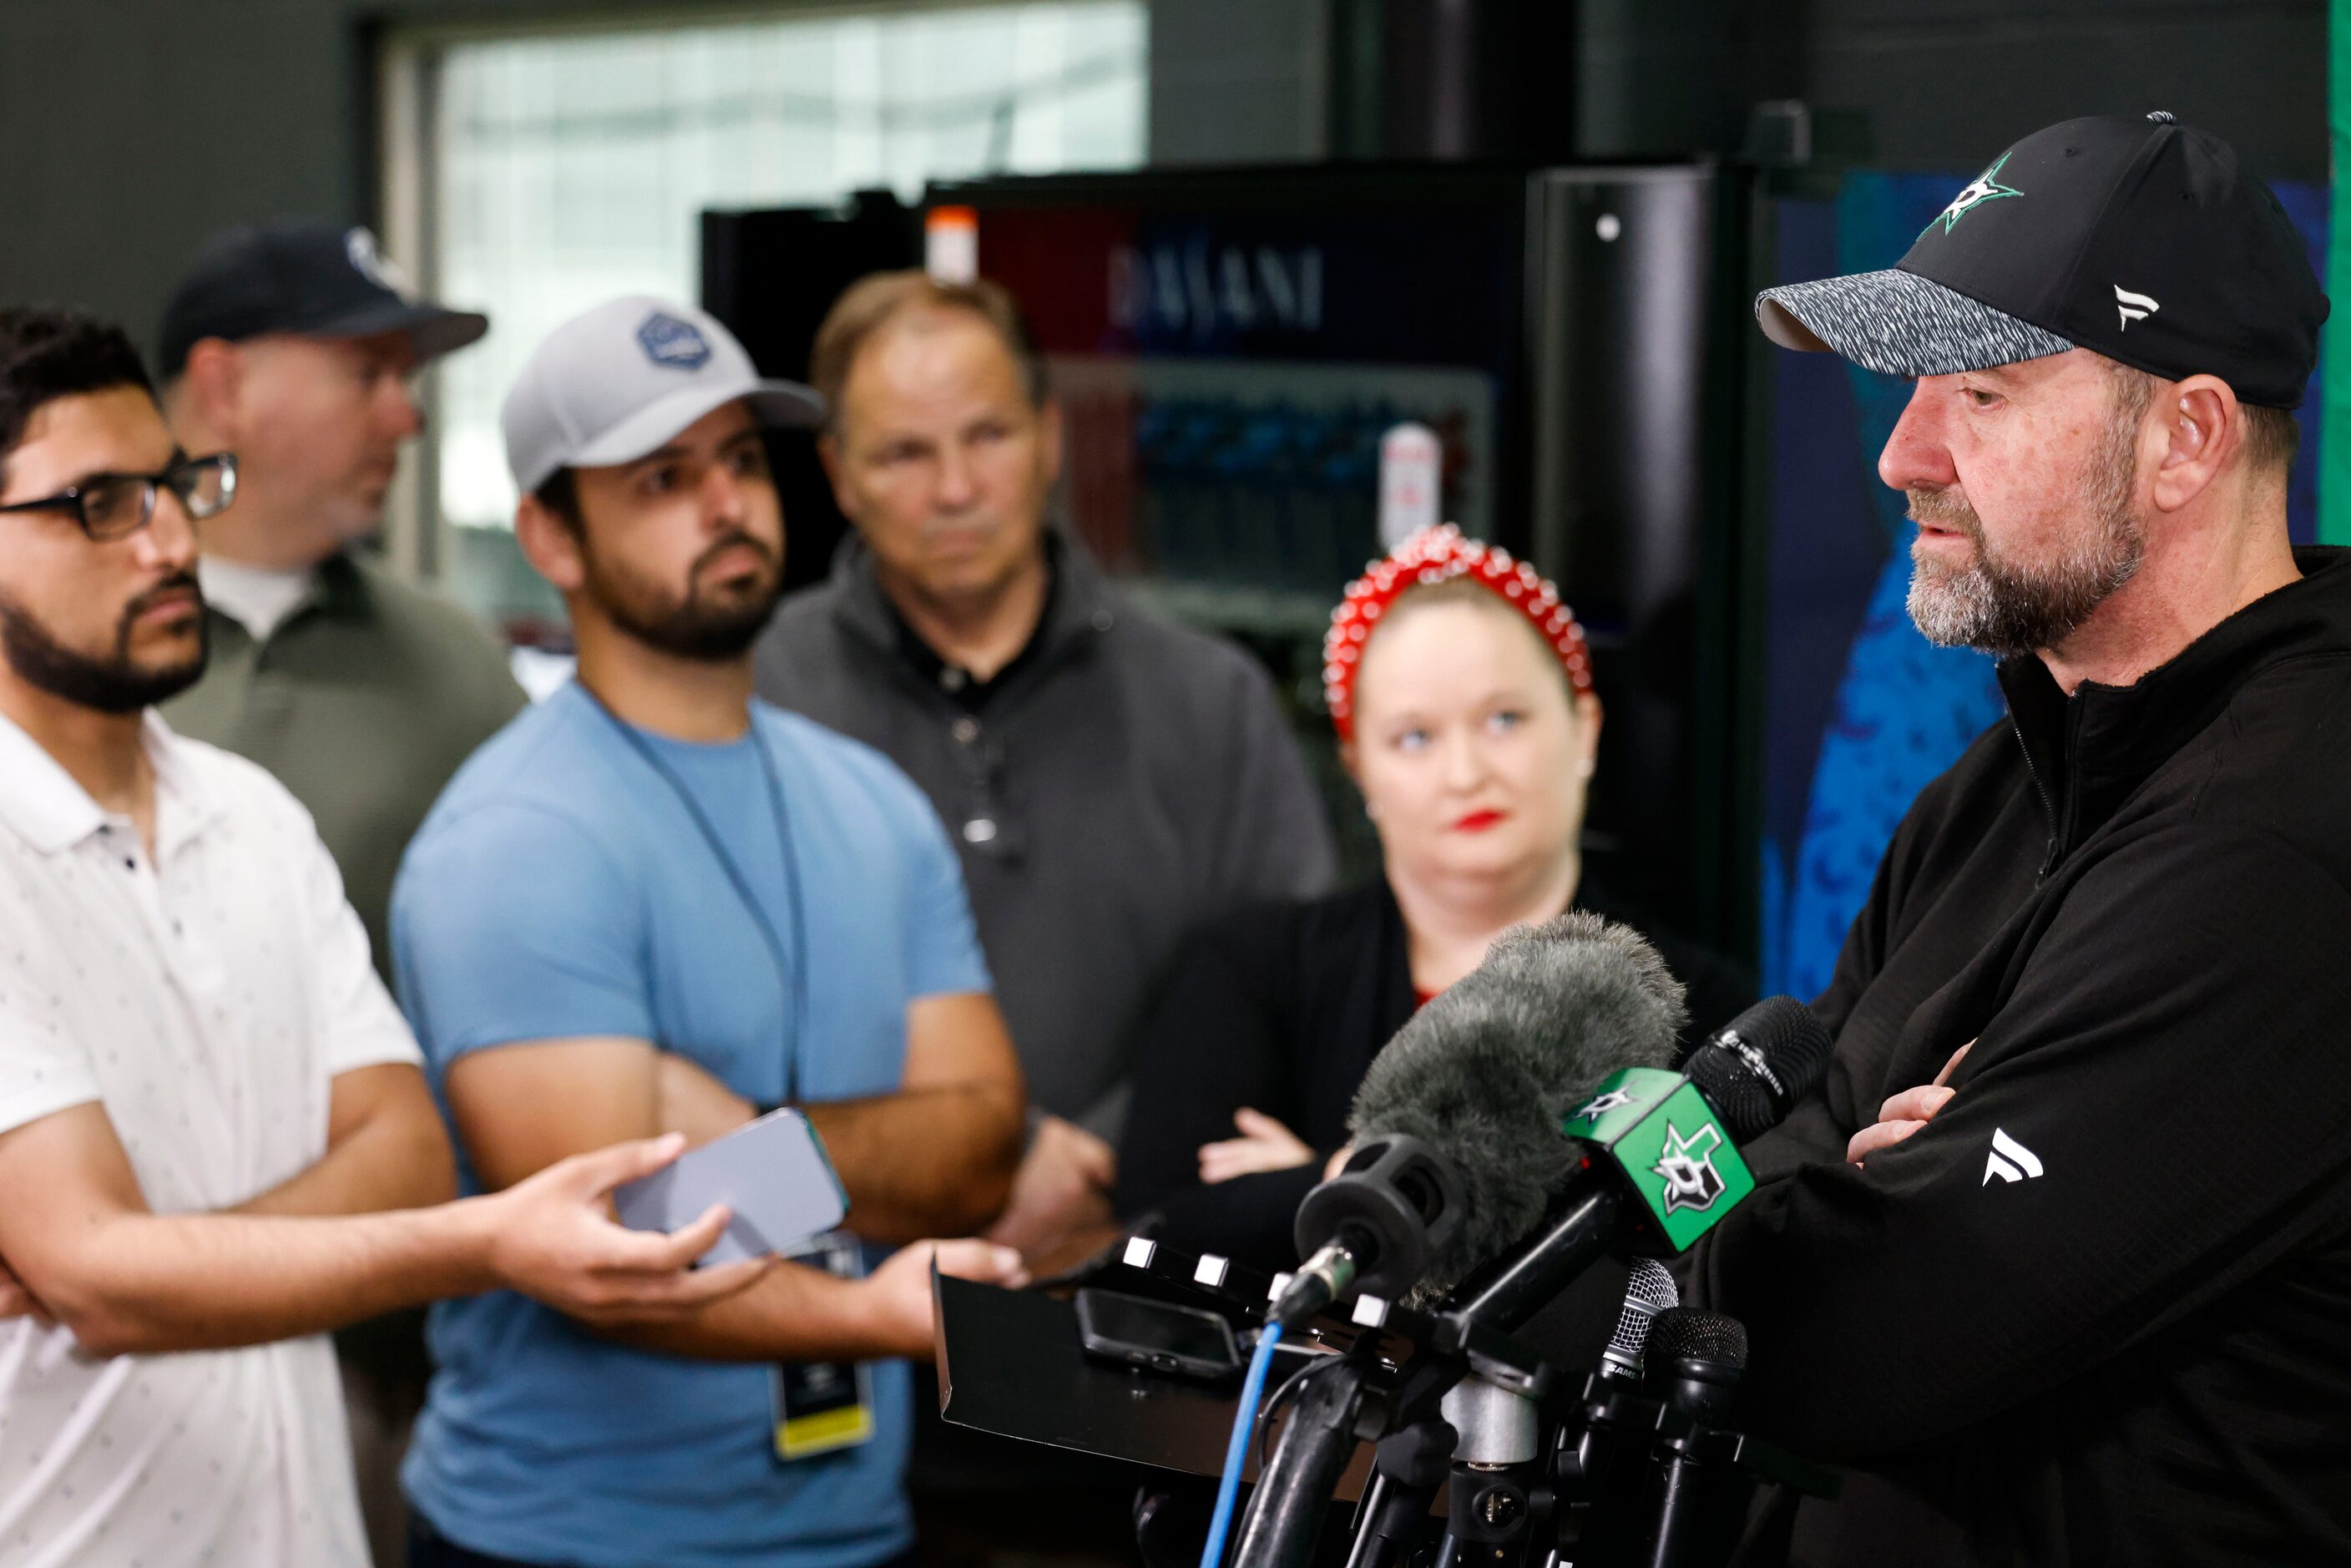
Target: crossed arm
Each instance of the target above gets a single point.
(385, 1149)
(937, 1155)
(2215, 1031)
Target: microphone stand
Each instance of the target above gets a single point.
(1412, 1465)
(1309, 1455)
(1498, 1497)
(1469, 1351)
(1452, 1398)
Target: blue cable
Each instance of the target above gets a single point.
(1229, 1488)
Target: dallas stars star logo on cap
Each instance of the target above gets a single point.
(1984, 187)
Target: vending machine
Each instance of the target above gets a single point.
(1229, 346)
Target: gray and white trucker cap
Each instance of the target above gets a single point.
(616, 382)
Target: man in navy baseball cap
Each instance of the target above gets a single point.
(308, 279)
(295, 344)
(2056, 1262)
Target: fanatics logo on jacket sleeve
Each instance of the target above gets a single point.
(2009, 1160)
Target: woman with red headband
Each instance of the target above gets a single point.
(1461, 689)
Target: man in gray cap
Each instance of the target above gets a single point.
(292, 344)
(2057, 1258)
(653, 902)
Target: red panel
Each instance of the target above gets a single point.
(1057, 262)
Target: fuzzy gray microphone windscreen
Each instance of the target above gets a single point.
(1487, 1071)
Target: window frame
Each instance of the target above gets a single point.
(409, 59)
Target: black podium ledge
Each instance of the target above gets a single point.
(1010, 1362)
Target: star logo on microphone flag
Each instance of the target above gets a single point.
(1601, 1105)
(1686, 1167)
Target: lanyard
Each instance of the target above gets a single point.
(794, 995)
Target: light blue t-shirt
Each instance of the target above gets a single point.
(561, 887)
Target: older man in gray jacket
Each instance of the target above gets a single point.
(1111, 779)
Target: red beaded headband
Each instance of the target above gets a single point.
(1434, 555)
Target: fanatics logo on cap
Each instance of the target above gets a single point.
(2133, 306)
(673, 344)
(1984, 187)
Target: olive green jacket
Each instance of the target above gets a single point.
(362, 703)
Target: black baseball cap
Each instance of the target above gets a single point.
(312, 279)
(2137, 236)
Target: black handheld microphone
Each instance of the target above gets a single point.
(1607, 1465)
(1694, 1362)
(1756, 1067)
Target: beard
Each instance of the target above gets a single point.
(709, 627)
(115, 683)
(2009, 609)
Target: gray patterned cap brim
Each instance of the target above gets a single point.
(1899, 324)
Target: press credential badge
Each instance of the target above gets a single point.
(822, 1406)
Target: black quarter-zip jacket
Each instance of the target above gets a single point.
(2129, 1342)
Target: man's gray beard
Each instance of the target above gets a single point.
(2007, 610)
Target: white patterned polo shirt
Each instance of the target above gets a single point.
(207, 997)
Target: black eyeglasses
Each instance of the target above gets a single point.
(116, 506)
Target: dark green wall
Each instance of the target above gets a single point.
(1945, 84)
(132, 128)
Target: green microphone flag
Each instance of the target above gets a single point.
(1661, 1134)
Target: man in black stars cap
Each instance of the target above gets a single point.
(292, 344)
(2059, 1260)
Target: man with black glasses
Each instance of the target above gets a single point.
(207, 1102)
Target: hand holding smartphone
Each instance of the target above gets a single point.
(772, 1174)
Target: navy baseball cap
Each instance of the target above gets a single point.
(311, 279)
(2139, 237)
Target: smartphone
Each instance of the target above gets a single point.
(1158, 1335)
(772, 1173)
